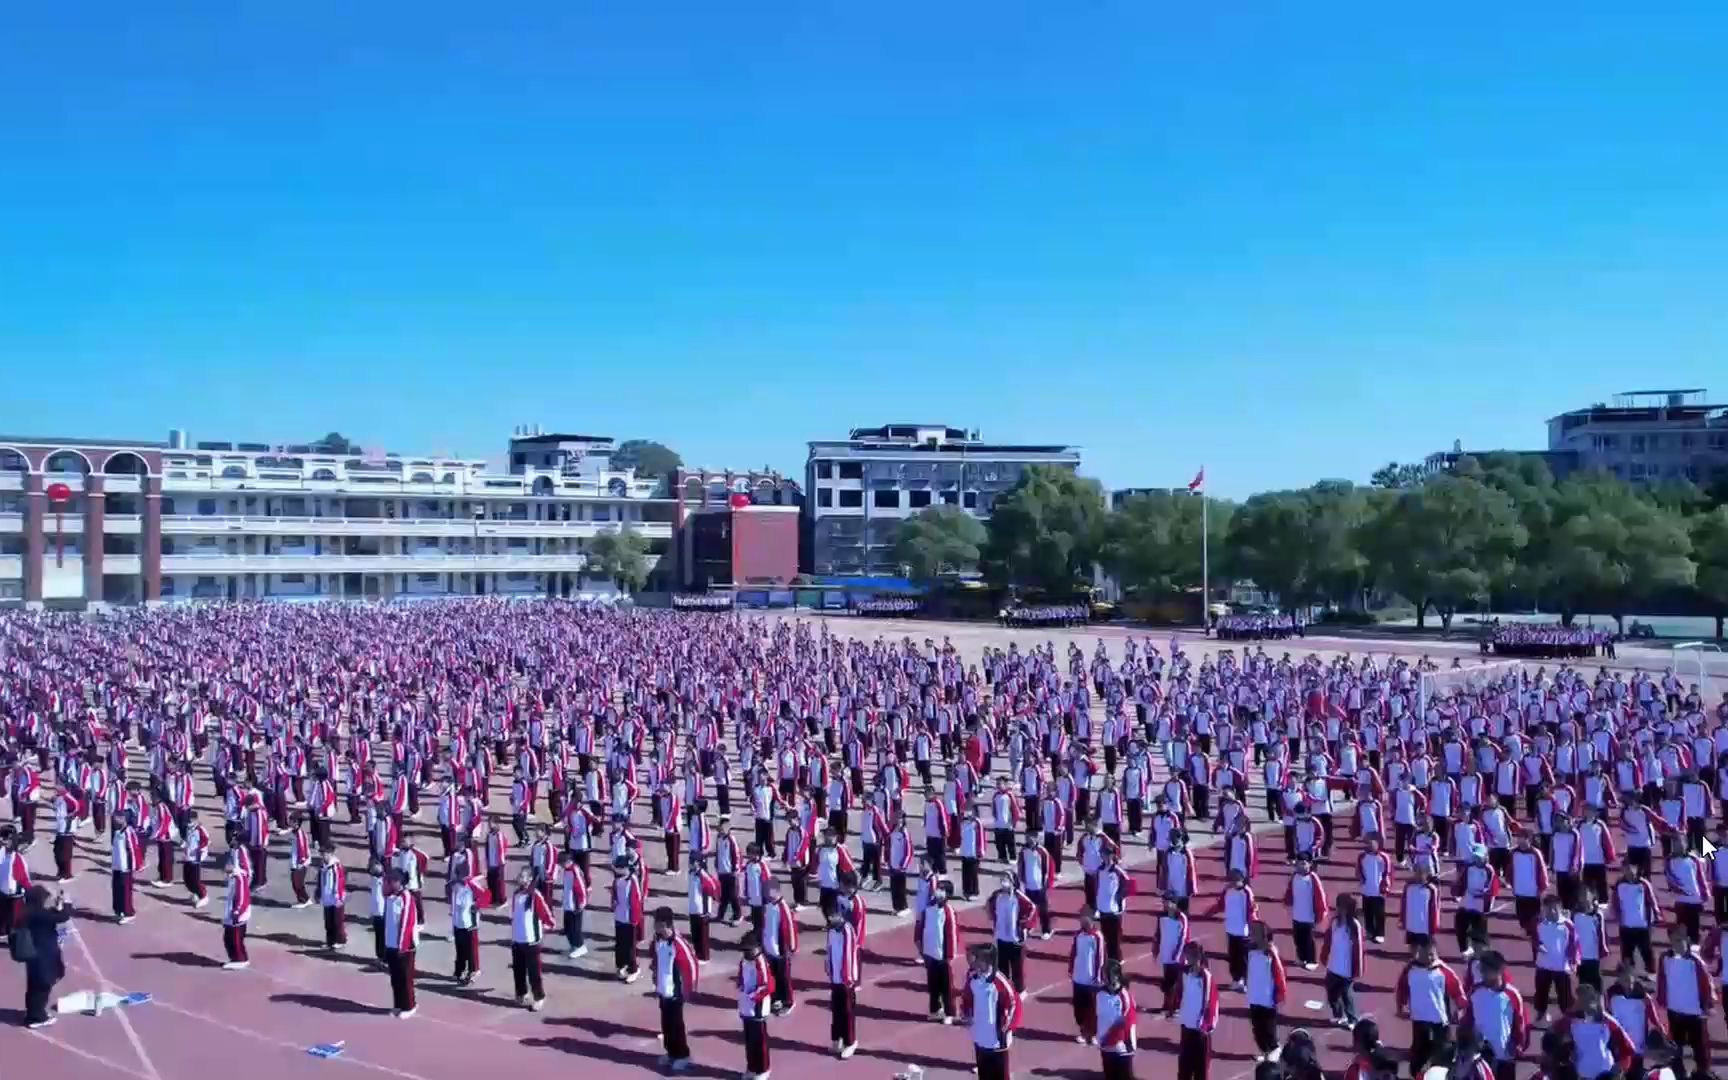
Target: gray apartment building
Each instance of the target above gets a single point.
(859, 489)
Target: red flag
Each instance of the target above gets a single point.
(1199, 480)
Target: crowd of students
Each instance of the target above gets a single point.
(1258, 627)
(1547, 641)
(774, 760)
(888, 605)
(1044, 615)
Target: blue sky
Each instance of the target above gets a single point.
(1290, 240)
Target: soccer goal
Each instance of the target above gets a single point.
(1693, 661)
(1468, 678)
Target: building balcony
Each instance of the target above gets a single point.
(11, 523)
(11, 566)
(122, 524)
(223, 563)
(219, 525)
(122, 564)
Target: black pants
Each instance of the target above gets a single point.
(401, 965)
(936, 850)
(525, 966)
(676, 1041)
(755, 1046)
(38, 988)
(1423, 1039)
(573, 929)
(1636, 941)
(1118, 1066)
(1011, 959)
(781, 966)
(1236, 953)
(1263, 1022)
(1374, 916)
(1555, 983)
(335, 930)
(992, 1064)
(1005, 845)
(1691, 916)
(729, 909)
(121, 889)
(1688, 1032)
(968, 877)
(1341, 997)
(1590, 973)
(1086, 1009)
(698, 937)
(1303, 933)
(467, 949)
(1041, 900)
(1465, 922)
(1194, 1055)
(939, 981)
(842, 1009)
(1112, 927)
(624, 947)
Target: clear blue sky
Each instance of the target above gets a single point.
(1292, 240)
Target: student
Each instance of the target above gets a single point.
(14, 881)
(1475, 889)
(401, 933)
(1116, 1034)
(1637, 912)
(1266, 988)
(703, 901)
(1663, 1057)
(1689, 879)
(780, 943)
(1590, 923)
(1037, 872)
(1170, 946)
(1557, 954)
(1086, 963)
(127, 854)
(1114, 889)
(1374, 879)
(467, 896)
(236, 914)
(672, 963)
(1366, 1052)
(1599, 1044)
(1431, 996)
(938, 935)
(990, 1008)
(1495, 1010)
(1011, 913)
(1306, 898)
(530, 918)
(333, 898)
(628, 901)
(194, 849)
(1421, 911)
(1198, 1013)
(572, 904)
(755, 987)
(844, 969)
(1240, 910)
(376, 893)
(1341, 953)
(1628, 1000)
(1686, 990)
(299, 860)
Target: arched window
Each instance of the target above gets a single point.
(323, 474)
(234, 472)
(66, 463)
(125, 463)
(421, 478)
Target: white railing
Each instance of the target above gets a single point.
(122, 564)
(122, 524)
(230, 524)
(11, 523)
(223, 563)
(11, 566)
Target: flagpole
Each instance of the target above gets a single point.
(1205, 564)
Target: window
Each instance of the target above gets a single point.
(1637, 444)
(917, 500)
(971, 500)
(824, 470)
(426, 579)
(602, 513)
(207, 507)
(1637, 470)
(950, 498)
(851, 470)
(293, 579)
(888, 498)
(852, 499)
(1686, 442)
(824, 496)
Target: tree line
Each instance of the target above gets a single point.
(1496, 529)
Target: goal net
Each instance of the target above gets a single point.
(1693, 662)
(1493, 676)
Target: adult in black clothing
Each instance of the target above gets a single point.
(44, 913)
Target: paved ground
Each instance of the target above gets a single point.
(296, 996)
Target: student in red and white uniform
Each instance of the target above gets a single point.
(1475, 888)
(1528, 876)
(1011, 914)
(1689, 879)
(703, 895)
(194, 849)
(1306, 898)
(1495, 1010)
(1170, 947)
(1037, 872)
(126, 850)
(1555, 938)
(1086, 963)
(628, 900)
(990, 1008)
(780, 944)
(401, 941)
(1115, 886)
(937, 933)
(1117, 1019)
(844, 969)
(467, 896)
(755, 987)
(1431, 996)
(1240, 909)
(68, 809)
(14, 881)
(299, 860)
(1341, 954)
(1599, 1044)
(1265, 988)
(1637, 911)
(1374, 881)
(1628, 999)
(673, 966)
(1688, 993)
(333, 898)
(236, 914)
(530, 918)
(1198, 1014)
(497, 859)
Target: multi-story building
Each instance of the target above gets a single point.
(733, 527)
(859, 489)
(1647, 435)
(232, 520)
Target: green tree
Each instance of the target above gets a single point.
(1394, 475)
(1152, 543)
(647, 457)
(1303, 545)
(621, 556)
(1444, 544)
(1045, 532)
(1528, 482)
(1610, 545)
(940, 540)
(1710, 548)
